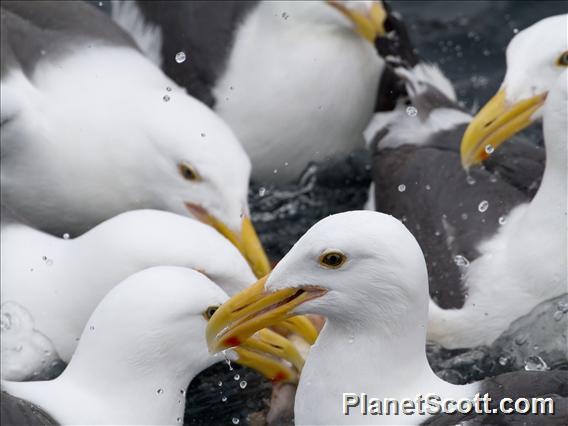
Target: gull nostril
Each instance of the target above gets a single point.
(489, 123)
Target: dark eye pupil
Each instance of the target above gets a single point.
(211, 311)
(563, 60)
(333, 259)
(188, 173)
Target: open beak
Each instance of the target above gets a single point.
(254, 309)
(368, 17)
(247, 241)
(272, 355)
(494, 124)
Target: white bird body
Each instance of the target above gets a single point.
(138, 353)
(321, 84)
(376, 307)
(59, 282)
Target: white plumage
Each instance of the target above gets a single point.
(50, 285)
(138, 352)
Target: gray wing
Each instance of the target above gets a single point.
(34, 31)
(440, 203)
(18, 412)
(204, 30)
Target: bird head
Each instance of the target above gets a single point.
(536, 57)
(350, 268)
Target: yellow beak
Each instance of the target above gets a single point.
(494, 124)
(272, 355)
(254, 309)
(370, 24)
(247, 243)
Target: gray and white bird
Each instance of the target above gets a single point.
(138, 352)
(365, 272)
(292, 78)
(92, 128)
(468, 221)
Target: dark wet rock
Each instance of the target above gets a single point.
(538, 338)
(540, 333)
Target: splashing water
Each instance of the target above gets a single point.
(461, 261)
(411, 111)
(483, 206)
(536, 363)
(180, 57)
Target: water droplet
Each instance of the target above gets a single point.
(284, 16)
(166, 98)
(42, 52)
(536, 363)
(275, 171)
(228, 361)
(203, 135)
(66, 236)
(6, 322)
(483, 206)
(220, 383)
(46, 352)
(428, 187)
(470, 180)
(411, 111)
(237, 377)
(224, 399)
(515, 30)
(101, 4)
(261, 191)
(461, 261)
(464, 216)
(558, 315)
(503, 361)
(502, 220)
(521, 340)
(243, 384)
(182, 391)
(180, 57)
(401, 187)
(178, 419)
(562, 306)
(92, 328)
(489, 149)
(285, 164)
(168, 89)
(236, 421)
(160, 391)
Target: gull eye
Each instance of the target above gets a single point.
(188, 171)
(332, 259)
(563, 60)
(208, 313)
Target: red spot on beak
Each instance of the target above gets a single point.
(278, 377)
(231, 341)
